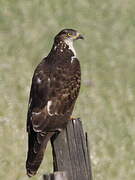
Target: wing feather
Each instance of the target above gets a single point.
(53, 93)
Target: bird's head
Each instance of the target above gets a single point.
(68, 35)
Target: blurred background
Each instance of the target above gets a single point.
(106, 103)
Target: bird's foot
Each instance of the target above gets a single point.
(73, 118)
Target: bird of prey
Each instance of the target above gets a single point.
(54, 90)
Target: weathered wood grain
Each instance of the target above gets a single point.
(71, 152)
(56, 176)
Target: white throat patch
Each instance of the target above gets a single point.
(69, 42)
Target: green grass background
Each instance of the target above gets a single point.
(107, 99)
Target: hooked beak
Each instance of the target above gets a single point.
(79, 36)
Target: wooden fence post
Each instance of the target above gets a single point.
(56, 176)
(71, 152)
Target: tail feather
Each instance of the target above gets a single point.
(37, 143)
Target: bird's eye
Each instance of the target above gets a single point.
(69, 34)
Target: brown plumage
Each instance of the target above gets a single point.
(54, 90)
